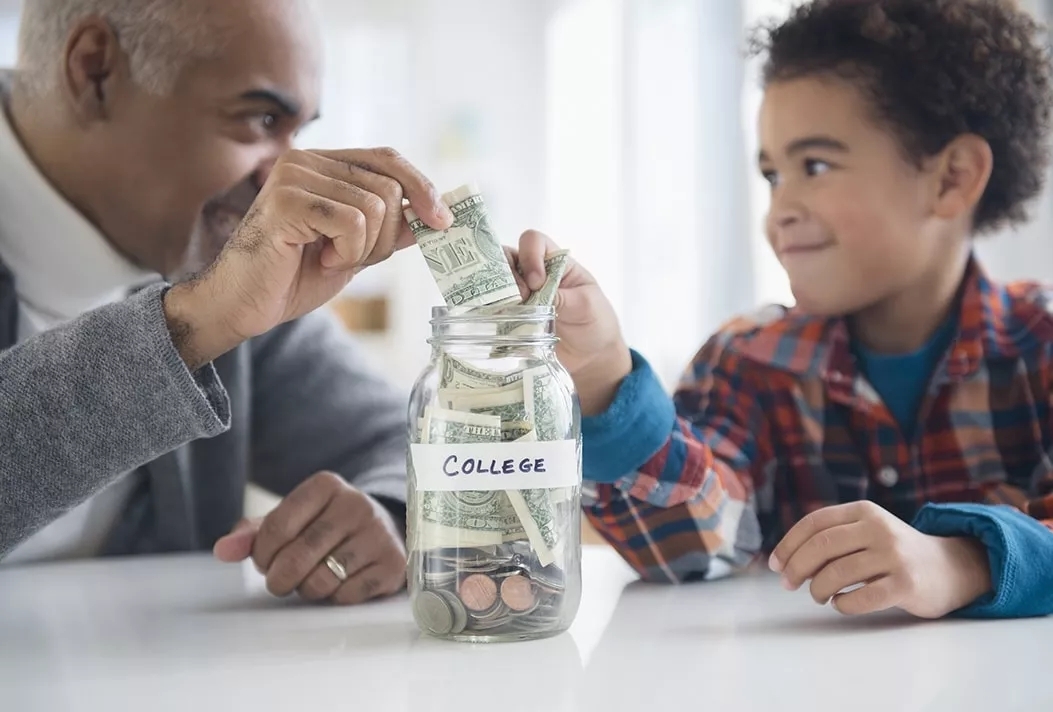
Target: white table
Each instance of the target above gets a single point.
(188, 633)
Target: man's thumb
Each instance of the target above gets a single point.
(237, 546)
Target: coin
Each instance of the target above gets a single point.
(478, 592)
(433, 613)
(460, 616)
(518, 593)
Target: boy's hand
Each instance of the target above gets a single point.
(590, 346)
(898, 566)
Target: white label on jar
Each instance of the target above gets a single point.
(495, 466)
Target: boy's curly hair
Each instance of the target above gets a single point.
(933, 70)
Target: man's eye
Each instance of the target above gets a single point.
(266, 122)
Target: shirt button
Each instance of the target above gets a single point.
(888, 476)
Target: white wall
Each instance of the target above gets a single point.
(458, 87)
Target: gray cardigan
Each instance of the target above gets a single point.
(108, 393)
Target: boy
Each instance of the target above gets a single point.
(888, 441)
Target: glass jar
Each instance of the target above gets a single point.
(494, 516)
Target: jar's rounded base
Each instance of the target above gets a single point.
(499, 638)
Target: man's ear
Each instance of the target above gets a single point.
(91, 64)
(963, 169)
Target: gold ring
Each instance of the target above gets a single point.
(336, 567)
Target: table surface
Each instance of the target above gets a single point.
(188, 633)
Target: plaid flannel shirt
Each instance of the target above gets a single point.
(772, 421)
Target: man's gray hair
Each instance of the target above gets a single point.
(158, 36)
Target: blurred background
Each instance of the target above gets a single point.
(623, 128)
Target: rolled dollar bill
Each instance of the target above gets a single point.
(466, 260)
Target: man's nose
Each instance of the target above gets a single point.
(266, 167)
(263, 172)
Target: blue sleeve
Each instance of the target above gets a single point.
(1020, 550)
(629, 433)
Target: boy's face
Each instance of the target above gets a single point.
(849, 216)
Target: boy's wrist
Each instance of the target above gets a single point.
(597, 383)
(971, 567)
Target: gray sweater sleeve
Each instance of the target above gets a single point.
(318, 406)
(91, 400)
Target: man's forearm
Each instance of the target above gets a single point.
(89, 401)
(198, 333)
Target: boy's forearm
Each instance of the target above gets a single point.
(658, 490)
(1019, 549)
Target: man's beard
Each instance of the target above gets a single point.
(217, 223)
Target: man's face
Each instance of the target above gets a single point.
(849, 217)
(183, 169)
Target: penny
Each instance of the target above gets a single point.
(433, 613)
(478, 592)
(518, 593)
(460, 616)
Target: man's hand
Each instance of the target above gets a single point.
(320, 218)
(323, 516)
(860, 543)
(590, 346)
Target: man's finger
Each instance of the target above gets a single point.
(423, 197)
(823, 547)
(350, 557)
(878, 595)
(809, 526)
(371, 582)
(292, 515)
(237, 546)
(406, 237)
(379, 197)
(339, 521)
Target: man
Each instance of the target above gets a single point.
(138, 138)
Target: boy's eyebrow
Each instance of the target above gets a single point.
(808, 143)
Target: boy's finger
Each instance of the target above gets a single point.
(533, 247)
(806, 528)
(820, 550)
(878, 595)
(512, 255)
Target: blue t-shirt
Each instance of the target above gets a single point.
(902, 380)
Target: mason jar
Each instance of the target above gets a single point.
(494, 517)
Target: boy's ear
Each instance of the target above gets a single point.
(963, 169)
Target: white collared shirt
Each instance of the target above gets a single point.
(63, 267)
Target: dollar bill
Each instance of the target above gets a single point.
(521, 430)
(535, 512)
(452, 426)
(466, 260)
(457, 374)
(542, 409)
(538, 515)
(465, 519)
(507, 404)
(555, 269)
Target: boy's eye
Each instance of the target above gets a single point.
(814, 167)
(772, 177)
